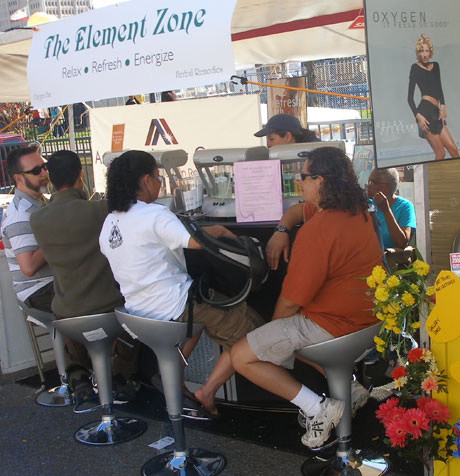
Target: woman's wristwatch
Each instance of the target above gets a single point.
(282, 228)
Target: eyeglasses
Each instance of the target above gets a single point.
(373, 182)
(303, 176)
(160, 180)
(37, 170)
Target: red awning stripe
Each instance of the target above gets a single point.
(322, 20)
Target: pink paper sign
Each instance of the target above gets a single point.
(258, 194)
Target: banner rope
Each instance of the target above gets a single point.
(312, 91)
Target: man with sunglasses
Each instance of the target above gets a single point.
(32, 276)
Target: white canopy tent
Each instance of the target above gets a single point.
(263, 32)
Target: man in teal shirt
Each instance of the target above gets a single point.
(396, 214)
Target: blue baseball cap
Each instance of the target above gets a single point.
(280, 122)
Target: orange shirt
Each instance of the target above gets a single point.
(330, 251)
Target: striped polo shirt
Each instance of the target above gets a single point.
(18, 238)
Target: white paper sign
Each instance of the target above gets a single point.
(97, 334)
(132, 48)
(455, 263)
(163, 443)
(258, 191)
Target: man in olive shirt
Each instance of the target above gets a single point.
(67, 231)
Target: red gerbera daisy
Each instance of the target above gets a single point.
(416, 421)
(399, 372)
(385, 408)
(396, 432)
(434, 410)
(415, 355)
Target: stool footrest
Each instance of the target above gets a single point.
(198, 462)
(110, 431)
(56, 397)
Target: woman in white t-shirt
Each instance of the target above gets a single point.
(143, 242)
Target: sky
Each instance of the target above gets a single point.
(105, 3)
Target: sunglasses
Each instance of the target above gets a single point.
(35, 171)
(373, 182)
(159, 179)
(303, 176)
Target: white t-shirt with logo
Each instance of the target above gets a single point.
(144, 247)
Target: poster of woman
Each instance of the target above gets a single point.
(414, 60)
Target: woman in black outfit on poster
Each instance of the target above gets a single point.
(431, 112)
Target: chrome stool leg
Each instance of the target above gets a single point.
(337, 358)
(98, 333)
(164, 338)
(60, 396)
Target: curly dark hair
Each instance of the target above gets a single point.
(123, 178)
(340, 189)
(303, 135)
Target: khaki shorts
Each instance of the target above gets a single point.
(224, 327)
(277, 341)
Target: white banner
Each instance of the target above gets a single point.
(132, 48)
(210, 123)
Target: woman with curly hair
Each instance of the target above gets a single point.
(431, 112)
(144, 242)
(321, 297)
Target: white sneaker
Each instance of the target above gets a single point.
(319, 427)
(359, 397)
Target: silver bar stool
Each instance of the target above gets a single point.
(97, 333)
(164, 338)
(337, 358)
(58, 396)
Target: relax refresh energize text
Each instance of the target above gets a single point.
(86, 37)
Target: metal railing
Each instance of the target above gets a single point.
(358, 131)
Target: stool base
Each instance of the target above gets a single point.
(55, 397)
(110, 431)
(198, 462)
(365, 463)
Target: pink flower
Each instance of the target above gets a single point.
(415, 422)
(434, 410)
(415, 355)
(385, 408)
(429, 385)
(396, 432)
(398, 372)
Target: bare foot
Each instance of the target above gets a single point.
(206, 401)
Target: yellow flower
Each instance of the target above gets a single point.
(415, 288)
(426, 354)
(393, 308)
(380, 316)
(396, 330)
(415, 325)
(432, 374)
(392, 281)
(407, 299)
(371, 282)
(391, 321)
(400, 382)
(379, 274)
(381, 293)
(421, 268)
(430, 290)
(380, 348)
(378, 340)
(390, 324)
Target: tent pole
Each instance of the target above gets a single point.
(73, 145)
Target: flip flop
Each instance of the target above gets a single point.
(195, 410)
